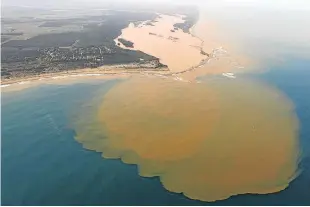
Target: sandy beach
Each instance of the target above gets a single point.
(68, 77)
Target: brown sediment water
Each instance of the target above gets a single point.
(174, 48)
(214, 37)
(208, 141)
(181, 51)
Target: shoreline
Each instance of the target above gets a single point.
(102, 71)
(117, 71)
(67, 77)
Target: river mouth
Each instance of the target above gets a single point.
(174, 48)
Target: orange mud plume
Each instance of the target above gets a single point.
(208, 141)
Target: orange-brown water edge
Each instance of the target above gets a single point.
(208, 141)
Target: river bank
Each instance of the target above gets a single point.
(185, 55)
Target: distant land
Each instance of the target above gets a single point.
(49, 41)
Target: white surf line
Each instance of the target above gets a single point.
(59, 77)
(177, 78)
(160, 76)
(6, 85)
(18, 83)
(23, 82)
(229, 75)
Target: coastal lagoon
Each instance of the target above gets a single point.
(198, 139)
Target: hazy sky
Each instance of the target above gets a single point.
(281, 4)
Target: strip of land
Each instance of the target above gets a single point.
(154, 44)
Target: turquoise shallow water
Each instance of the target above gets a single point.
(42, 164)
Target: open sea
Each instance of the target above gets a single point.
(42, 163)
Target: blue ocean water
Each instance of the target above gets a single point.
(42, 164)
